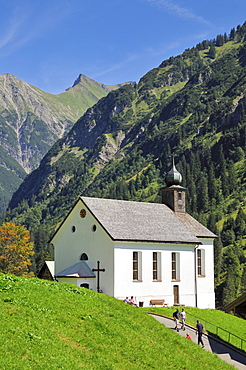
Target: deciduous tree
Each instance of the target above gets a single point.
(15, 249)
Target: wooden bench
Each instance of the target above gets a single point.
(158, 302)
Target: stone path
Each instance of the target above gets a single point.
(226, 353)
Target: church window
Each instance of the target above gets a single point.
(73, 229)
(84, 257)
(82, 213)
(175, 266)
(137, 271)
(200, 262)
(156, 266)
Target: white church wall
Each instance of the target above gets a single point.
(84, 235)
(147, 289)
(205, 283)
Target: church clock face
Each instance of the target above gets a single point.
(82, 213)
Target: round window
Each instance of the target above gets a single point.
(94, 228)
(82, 213)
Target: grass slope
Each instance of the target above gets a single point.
(60, 326)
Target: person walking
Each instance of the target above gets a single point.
(199, 332)
(183, 318)
(176, 319)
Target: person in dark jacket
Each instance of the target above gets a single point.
(199, 332)
(176, 319)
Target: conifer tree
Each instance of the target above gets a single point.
(212, 52)
(217, 258)
(233, 276)
(240, 224)
(212, 184)
(232, 34)
(202, 190)
(223, 173)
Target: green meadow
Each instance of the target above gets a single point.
(48, 325)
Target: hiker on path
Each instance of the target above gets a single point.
(199, 331)
(176, 319)
(183, 318)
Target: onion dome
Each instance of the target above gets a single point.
(173, 177)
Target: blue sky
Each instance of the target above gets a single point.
(48, 43)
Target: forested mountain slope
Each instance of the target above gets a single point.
(31, 121)
(193, 106)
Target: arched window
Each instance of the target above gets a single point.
(84, 257)
(84, 285)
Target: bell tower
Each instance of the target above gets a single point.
(173, 195)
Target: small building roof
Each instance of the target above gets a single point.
(51, 267)
(47, 271)
(149, 222)
(79, 270)
(238, 306)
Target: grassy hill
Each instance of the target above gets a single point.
(48, 325)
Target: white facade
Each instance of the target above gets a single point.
(194, 282)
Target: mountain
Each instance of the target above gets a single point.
(31, 121)
(192, 105)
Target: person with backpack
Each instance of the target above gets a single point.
(176, 319)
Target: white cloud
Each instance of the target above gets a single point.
(12, 30)
(178, 10)
(26, 23)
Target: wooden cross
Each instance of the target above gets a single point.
(98, 270)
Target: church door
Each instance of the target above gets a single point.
(176, 294)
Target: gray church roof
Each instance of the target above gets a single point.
(145, 222)
(79, 270)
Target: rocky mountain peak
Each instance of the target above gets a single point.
(80, 79)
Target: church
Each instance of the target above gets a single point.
(145, 250)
